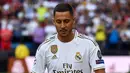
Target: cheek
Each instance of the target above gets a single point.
(57, 27)
(70, 25)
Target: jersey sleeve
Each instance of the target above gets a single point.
(95, 57)
(39, 62)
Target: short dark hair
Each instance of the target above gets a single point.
(62, 7)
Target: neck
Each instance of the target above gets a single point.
(67, 38)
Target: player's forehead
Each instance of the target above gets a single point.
(63, 15)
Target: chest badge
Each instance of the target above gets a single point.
(54, 50)
(78, 56)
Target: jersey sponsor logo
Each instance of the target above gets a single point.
(68, 68)
(68, 71)
(78, 56)
(54, 49)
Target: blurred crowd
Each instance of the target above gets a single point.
(25, 24)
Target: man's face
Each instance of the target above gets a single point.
(64, 23)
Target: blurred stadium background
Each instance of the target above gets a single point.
(24, 24)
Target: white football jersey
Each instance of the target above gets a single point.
(81, 55)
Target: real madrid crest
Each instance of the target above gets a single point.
(78, 56)
(54, 49)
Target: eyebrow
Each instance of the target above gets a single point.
(64, 19)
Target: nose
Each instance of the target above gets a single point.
(62, 25)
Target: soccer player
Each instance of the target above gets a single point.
(68, 51)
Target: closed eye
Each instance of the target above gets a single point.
(66, 21)
(58, 21)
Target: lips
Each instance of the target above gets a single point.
(63, 31)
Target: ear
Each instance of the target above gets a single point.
(53, 20)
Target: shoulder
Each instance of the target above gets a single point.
(87, 39)
(47, 42)
(89, 43)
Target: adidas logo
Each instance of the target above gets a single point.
(54, 57)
